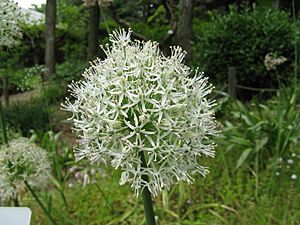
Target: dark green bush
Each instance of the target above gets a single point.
(15, 78)
(68, 71)
(243, 40)
(65, 73)
(54, 92)
(28, 115)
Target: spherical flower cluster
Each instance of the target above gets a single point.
(271, 61)
(10, 15)
(143, 113)
(19, 162)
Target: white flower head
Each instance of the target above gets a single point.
(143, 113)
(10, 16)
(19, 162)
(271, 61)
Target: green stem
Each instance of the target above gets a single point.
(16, 201)
(44, 86)
(40, 203)
(256, 177)
(278, 79)
(146, 195)
(5, 139)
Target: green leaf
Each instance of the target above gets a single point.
(240, 141)
(243, 157)
(261, 143)
(160, 10)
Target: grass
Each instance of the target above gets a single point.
(226, 196)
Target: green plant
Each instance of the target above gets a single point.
(68, 71)
(54, 92)
(61, 157)
(243, 40)
(28, 115)
(15, 78)
(32, 78)
(60, 154)
(258, 132)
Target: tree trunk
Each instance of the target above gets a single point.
(50, 36)
(287, 5)
(275, 4)
(232, 82)
(170, 16)
(93, 44)
(185, 26)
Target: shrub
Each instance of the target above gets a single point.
(28, 115)
(65, 73)
(68, 71)
(243, 40)
(15, 78)
(54, 92)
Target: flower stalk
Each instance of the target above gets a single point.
(16, 201)
(36, 198)
(3, 126)
(146, 196)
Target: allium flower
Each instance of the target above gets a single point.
(10, 15)
(294, 177)
(19, 162)
(138, 105)
(271, 61)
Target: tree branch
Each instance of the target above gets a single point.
(126, 24)
(172, 22)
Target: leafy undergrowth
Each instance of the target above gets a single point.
(233, 193)
(226, 196)
(237, 191)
